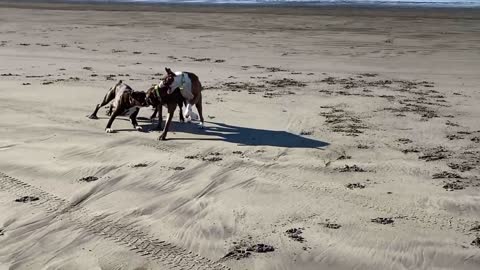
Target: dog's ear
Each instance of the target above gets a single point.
(168, 70)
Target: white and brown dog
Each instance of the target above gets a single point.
(125, 102)
(190, 88)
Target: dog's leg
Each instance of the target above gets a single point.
(200, 111)
(171, 110)
(115, 113)
(94, 114)
(110, 110)
(186, 113)
(180, 105)
(108, 97)
(160, 117)
(154, 114)
(133, 119)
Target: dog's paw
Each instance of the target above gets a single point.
(92, 116)
(109, 130)
(194, 116)
(139, 128)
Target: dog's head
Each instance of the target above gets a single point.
(138, 98)
(151, 97)
(167, 81)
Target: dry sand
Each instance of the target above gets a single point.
(356, 132)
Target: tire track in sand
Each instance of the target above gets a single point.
(131, 236)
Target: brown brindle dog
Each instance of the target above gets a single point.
(125, 102)
(157, 98)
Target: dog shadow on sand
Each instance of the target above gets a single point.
(246, 136)
(143, 122)
(233, 134)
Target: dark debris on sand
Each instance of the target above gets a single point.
(243, 86)
(296, 234)
(446, 174)
(411, 150)
(88, 179)
(332, 226)
(475, 228)
(286, 82)
(421, 104)
(383, 221)
(329, 225)
(353, 168)
(435, 154)
(355, 185)
(463, 167)
(243, 250)
(476, 242)
(452, 137)
(139, 165)
(275, 69)
(344, 156)
(453, 186)
(26, 199)
(237, 254)
(9, 74)
(211, 157)
(404, 140)
(306, 132)
(342, 121)
(261, 248)
(349, 83)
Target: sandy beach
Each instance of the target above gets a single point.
(334, 139)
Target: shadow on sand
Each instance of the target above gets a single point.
(247, 136)
(233, 134)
